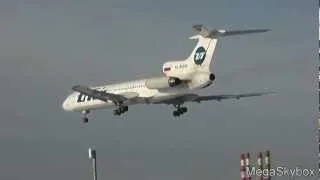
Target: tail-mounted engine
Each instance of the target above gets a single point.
(172, 81)
(202, 79)
(162, 82)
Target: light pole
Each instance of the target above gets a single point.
(93, 157)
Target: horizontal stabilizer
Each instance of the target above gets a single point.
(214, 33)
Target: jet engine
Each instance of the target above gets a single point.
(202, 79)
(162, 82)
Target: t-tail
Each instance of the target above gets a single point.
(202, 55)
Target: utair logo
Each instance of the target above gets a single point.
(199, 55)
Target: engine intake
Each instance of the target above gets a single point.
(173, 81)
(162, 82)
(212, 77)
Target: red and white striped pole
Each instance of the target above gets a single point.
(242, 167)
(267, 163)
(247, 164)
(260, 164)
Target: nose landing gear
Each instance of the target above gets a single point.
(85, 118)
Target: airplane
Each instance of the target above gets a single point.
(178, 85)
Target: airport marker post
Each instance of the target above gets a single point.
(247, 165)
(263, 163)
(260, 164)
(93, 157)
(267, 163)
(242, 167)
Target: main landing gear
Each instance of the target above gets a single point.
(85, 116)
(179, 110)
(120, 110)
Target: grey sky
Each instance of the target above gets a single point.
(47, 46)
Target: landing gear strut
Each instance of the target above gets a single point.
(120, 110)
(85, 116)
(179, 110)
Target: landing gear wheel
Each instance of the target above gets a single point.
(176, 113)
(117, 112)
(85, 120)
(179, 110)
(184, 109)
(120, 110)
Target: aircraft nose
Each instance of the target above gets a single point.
(66, 105)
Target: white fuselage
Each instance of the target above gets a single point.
(80, 102)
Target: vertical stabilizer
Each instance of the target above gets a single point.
(202, 54)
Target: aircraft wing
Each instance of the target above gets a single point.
(101, 95)
(228, 96)
(197, 98)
